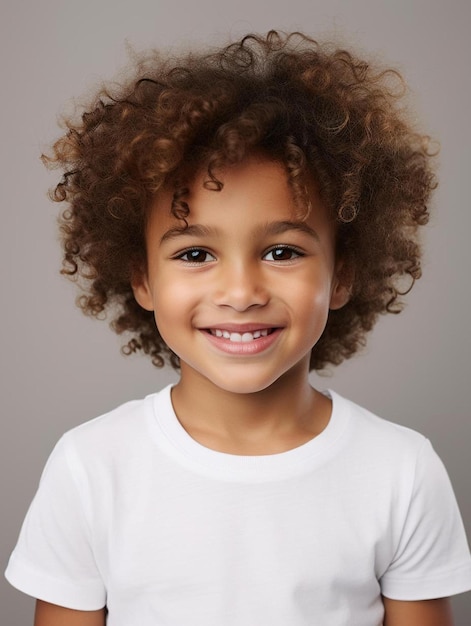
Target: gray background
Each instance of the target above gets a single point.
(60, 368)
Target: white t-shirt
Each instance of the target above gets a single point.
(134, 513)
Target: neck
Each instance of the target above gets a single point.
(286, 414)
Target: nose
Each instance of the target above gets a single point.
(240, 287)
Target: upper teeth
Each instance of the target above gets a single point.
(240, 336)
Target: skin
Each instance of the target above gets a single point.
(426, 613)
(246, 259)
(47, 614)
(250, 268)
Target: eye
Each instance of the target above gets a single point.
(196, 256)
(282, 253)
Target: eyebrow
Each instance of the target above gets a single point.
(271, 228)
(278, 228)
(193, 230)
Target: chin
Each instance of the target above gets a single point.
(245, 384)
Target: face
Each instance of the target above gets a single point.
(243, 294)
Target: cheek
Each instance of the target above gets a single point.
(313, 292)
(311, 302)
(173, 301)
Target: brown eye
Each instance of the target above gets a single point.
(196, 255)
(282, 253)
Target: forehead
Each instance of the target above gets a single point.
(254, 192)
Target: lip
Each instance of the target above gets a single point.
(239, 328)
(245, 348)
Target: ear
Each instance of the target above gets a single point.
(141, 289)
(341, 287)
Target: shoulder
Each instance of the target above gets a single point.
(404, 488)
(386, 454)
(116, 434)
(371, 432)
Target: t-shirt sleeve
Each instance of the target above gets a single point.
(432, 559)
(53, 559)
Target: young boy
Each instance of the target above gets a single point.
(246, 214)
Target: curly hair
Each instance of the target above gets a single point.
(317, 109)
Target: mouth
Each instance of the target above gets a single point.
(240, 337)
(242, 340)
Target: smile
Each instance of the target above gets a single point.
(240, 337)
(246, 342)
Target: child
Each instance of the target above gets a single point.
(247, 215)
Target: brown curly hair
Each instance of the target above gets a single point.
(317, 109)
